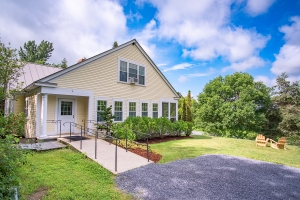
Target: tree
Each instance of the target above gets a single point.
(107, 117)
(9, 73)
(63, 64)
(36, 53)
(115, 44)
(189, 107)
(233, 106)
(287, 99)
(184, 109)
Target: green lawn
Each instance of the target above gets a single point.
(68, 175)
(201, 145)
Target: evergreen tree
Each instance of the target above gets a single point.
(184, 110)
(188, 107)
(115, 44)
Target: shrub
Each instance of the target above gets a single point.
(121, 130)
(11, 158)
(13, 124)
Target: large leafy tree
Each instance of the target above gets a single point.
(287, 99)
(31, 52)
(9, 73)
(233, 106)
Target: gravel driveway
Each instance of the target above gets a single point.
(212, 177)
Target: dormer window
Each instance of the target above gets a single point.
(131, 72)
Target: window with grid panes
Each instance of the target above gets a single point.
(101, 105)
(118, 111)
(155, 110)
(172, 111)
(128, 69)
(144, 109)
(123, 71)
(132, 109)
(165, 109)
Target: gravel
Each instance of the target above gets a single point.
(212, 177)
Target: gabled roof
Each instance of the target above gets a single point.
(57, 74)
(31, 72)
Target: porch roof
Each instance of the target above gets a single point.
(31, 73)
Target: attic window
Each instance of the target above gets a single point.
(131, 72)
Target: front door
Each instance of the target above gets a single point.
(66, 114)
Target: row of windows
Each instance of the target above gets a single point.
(119, 107)
(130, 70)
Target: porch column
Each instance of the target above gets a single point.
(44, 116)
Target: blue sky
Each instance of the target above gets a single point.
(192, 42)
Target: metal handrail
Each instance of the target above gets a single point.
(95, 132)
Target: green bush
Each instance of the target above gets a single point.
(11, 158)
(138, 128)
(13, 124)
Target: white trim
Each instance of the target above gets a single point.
(154, 102)
(132, 62)
(44, 115)
(136, 106)
(168, 100)
(141, 109)
(63, 97)
(96, 105)
(38, 115)
(66, 91)
(123, 107)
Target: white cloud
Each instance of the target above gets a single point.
(161, 64)
(134, 16)
(257, 7)
(245, 64)
(209, 72)
(179, 66)
(144, 37)
(182, 79)
(204, 30)
(266, 80)
(288, 59)
(77, 30)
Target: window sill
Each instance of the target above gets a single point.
(131, 84)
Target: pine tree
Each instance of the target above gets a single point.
(184, 110)
(188, 108)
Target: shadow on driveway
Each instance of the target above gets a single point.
(212, 177)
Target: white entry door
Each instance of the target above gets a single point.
(66, 113)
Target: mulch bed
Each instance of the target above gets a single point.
(141, 152)
(154, 156)
(164, 139)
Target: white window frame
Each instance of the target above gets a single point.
(96, 105)
(10, 107)
(152, 111)
(138, 67)
(128, 107)
(141, 107)
(169, 101)
(26, 109)
(123, 107)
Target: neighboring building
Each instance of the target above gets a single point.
(124, 77)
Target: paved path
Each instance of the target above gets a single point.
(42, 146)
(212, 177)
(106, 155)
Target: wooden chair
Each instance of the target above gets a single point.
(261, 140)
(280, 144)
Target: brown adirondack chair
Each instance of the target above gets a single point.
(280, 144)
(261, 140)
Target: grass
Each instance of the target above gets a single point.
(68, 175)
(201, 145)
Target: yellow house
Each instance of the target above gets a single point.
(124, 77)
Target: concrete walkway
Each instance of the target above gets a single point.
(106, 155)
(42, 146)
